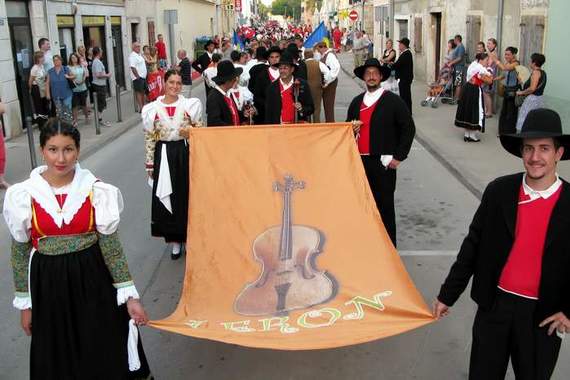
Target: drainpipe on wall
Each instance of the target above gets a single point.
(500, 14)
(47, 20)
(391, 23)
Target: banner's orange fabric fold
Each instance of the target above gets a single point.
(286, 249)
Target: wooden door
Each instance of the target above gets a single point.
(531, 38)
(473, 36)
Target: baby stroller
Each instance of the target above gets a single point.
(442, 89)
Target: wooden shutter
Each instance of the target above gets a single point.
(473, 36)
(418, 45)
(531, 37)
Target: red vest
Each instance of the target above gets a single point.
(43, 224)
(521, 274)
(287, 105)
(233, 109)
(364, 133)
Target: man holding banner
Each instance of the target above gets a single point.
(386, 134)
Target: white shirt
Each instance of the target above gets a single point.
(210, 73)
(536, 194)
(333, 64)
(273, 72)
(137, 61)
(324, 70)
(48, 60)
(286, 86)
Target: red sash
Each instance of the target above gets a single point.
(364, 133)
(233, 110)
(287, 105)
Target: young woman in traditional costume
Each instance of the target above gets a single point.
(167, 122)
(72, 281)
(470, 113)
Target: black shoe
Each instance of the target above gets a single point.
(466, 139)
(175, 256)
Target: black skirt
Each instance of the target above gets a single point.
(78, 331)
(468, 108)
(172, 226)
(509, 115)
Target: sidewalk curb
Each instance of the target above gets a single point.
(431, 148)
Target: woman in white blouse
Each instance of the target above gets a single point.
(167, 122)
(70, 268)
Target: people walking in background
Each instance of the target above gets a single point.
(359, 48)
(261, 57)
(89, 59)
(532, 89)
(509, 110)
(470, 113)
(80, 90)
(72, 282)
(3, 184)
(458, 64)
(203, 61)
(489, 89)
(265, 77)
(37, 86)
(99, 83)
(385, 137)
(212, 71)
(404, 67)
(337, 39)
(167, 122)
(154, 83)
(185, 69)
(389, 54)
(161, 52)
(317, 75)
(45, 47)
(138, 74)
(368, 44)
(150, 59)
(329, 58)
(58, 90)
(288, 100)
(516, 251)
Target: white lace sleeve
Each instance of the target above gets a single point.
(148, 114)
(18, 212)
(193, 108)
(108, 205)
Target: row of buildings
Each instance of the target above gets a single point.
(530, 25)
(110, 24)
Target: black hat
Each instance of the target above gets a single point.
(209, 42)
(273, 49)
(293, 50)
(261, 53)
(373, 62)
(539, 123)
(286, 59)
(226, 72)
(405, 41)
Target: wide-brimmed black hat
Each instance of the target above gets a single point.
(405, 41)
(287, 59)
(539, 123)
(208, 43)
(226, 72)
(373, 62)
(274, 49)
(293, 50)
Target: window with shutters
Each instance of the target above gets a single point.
(532, 37)
(418, 44)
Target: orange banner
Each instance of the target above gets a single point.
(286, 249)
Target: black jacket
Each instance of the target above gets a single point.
(392, 128)
(273, 103)
(301, 70)
(201, 63)
(219, 114)
(253, 73)
(404, 66)
(485, 250)
(262, 82)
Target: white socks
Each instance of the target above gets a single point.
(176, 248)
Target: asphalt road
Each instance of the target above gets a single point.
(433, 209)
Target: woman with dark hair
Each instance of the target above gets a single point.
(480, 48)
(532, 89)
(69, 265)
(509, 111)
(167, 122)
(80, 90)
(470, 109)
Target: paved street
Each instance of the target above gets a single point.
(436, 199)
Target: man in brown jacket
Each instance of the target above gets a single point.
(316, 74)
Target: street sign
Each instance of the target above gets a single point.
(353, 15)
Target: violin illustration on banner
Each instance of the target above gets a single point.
(287, 253)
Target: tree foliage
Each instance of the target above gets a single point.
(286, 8)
